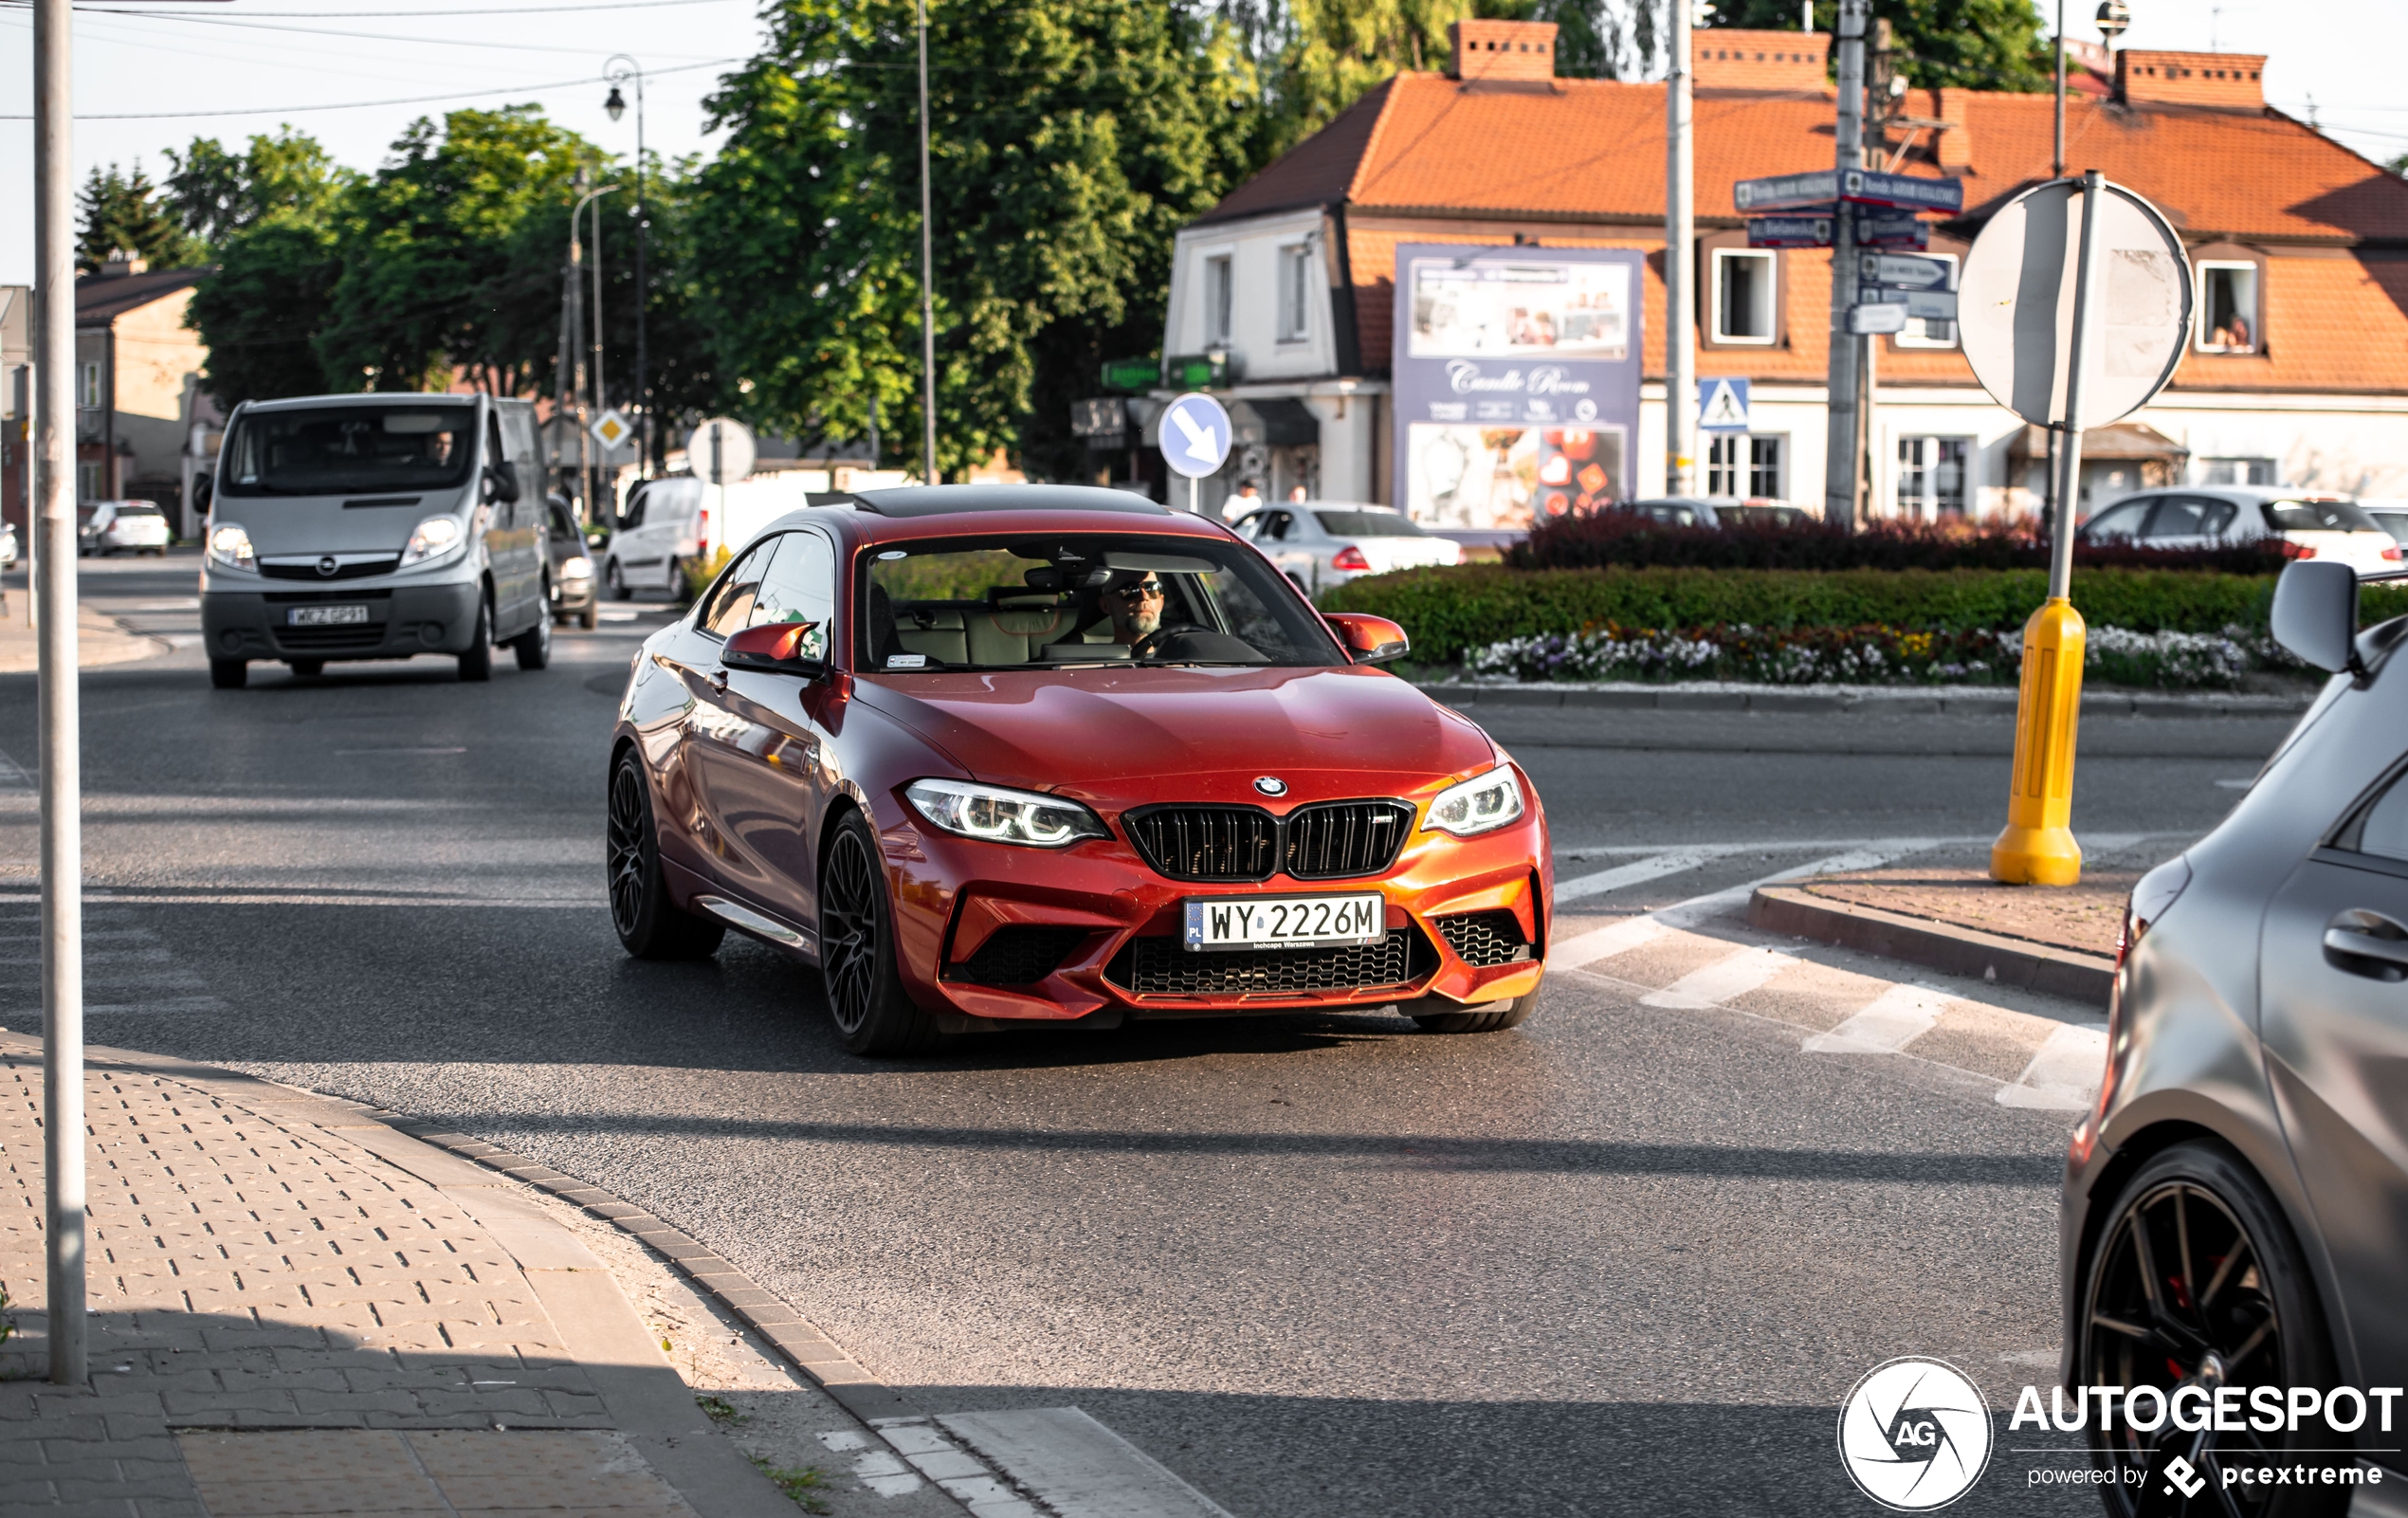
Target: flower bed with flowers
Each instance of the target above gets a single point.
(1864, 655)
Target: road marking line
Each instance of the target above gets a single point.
(1733, 975)
(1630, 932)
(2064, 1075)
(1633, 874)
(1760, 846)
(1886, 1024)
(1077, 1467)
(172, 1004)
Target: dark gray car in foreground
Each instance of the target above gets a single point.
(2236, 1206)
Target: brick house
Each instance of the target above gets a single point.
(2296, 374)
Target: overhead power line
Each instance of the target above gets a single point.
(361, 105)
(353, 16)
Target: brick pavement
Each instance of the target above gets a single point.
(254, 1269)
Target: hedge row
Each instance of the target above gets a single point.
(1594, 539)
(1448, 612)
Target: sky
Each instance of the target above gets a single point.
(249, 65)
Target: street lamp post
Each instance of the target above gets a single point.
(619, 70)
(927, 279)
(576, 259)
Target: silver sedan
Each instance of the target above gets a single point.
(1320, 544)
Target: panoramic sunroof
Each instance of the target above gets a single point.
(947, 500)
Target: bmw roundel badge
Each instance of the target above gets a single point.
(1270, 785)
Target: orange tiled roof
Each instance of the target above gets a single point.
(1579, 159)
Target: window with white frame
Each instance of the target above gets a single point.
(1932, 476)
(87, 481)
(2228, 308)
(91, 386)
(1927, 333)
(1295, 292)
(2235, 472)
(1743, 293)
(1745, 464)
(1218, 301)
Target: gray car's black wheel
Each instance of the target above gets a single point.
(616, 579)
(228, 674)
(1486, 1019)
(2195, 1280)
(649, 925)
(534, 646)
(587, 617)
(872, 1013)
(476, 660)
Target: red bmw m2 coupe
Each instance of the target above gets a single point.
(1013, 756)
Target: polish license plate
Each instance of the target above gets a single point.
(324, 616)
(1284, 922)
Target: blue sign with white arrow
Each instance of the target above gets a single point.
(1195, 435)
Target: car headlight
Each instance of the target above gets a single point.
(577, 568)
(229, 545)
(1000, 816)
(433, 538)
(1481, 804)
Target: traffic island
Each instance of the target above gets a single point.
(2055, 939)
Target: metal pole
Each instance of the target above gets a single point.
(601, 401)
(1840, 433)
(927, 279)
(1868, 507)
(1680, 254)
(564, 385)
(2070, 452)
(2057, 155)
(575, 395)
(643, 298)
(61, 762)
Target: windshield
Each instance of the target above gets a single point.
(1368, 525)
(349, 449)
(2317, 516)
(990, 603)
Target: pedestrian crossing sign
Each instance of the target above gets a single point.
(1722, 405)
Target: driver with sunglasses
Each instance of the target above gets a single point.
(1134, 601)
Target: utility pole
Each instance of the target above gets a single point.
(594, 334)
(927, 279)
(54, 566)
(642, 398)
(1680, 265)
(1841, 435)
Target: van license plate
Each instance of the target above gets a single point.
(1284, 922)
(324, 616)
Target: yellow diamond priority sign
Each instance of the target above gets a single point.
(612, 429)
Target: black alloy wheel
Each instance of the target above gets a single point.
(872, 1013)
(228, 674)
(2195, 1281)
(649, 925)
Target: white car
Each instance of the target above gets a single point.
(138, 525)
(2207, 516)
(665, 524)
(8, 545)
(1319, 543)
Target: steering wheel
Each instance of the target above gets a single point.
(1147, 647)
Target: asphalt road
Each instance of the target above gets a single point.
(1625, 1259)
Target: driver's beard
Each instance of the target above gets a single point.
(1143, 623)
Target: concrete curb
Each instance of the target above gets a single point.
(798, 1341)
(1941, 945)
(1986, 701)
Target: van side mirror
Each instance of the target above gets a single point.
(500, 485)
(774, 648)
(1370, 639)
(2315, 617)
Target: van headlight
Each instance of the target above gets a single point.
(577, 568)
(1481, 804)
(999, 815)
(229, 545)
(433, 538)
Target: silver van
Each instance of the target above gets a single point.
(664, 526)
(376, 526)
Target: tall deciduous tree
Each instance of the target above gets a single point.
(215, 192)
(1990, 44)
(273, 216)
(1071, 141)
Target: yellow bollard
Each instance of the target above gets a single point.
(2037, 847)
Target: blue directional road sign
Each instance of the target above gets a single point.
(1891, 228)
(1905, 271)
(1791, 231)
(1787, 191)
(1195, 435)
(1901, 192)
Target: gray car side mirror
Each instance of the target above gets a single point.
(2315, 617)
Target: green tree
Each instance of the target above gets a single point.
(429, 281)
(260, 312)
(1990, 44)
(1071, 141)
(122, 213)
(215, 193)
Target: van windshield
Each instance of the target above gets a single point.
(349, 449)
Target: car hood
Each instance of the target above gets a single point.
(1128, 736)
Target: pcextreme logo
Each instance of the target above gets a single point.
(1914, 1433)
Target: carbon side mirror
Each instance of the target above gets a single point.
(2315, 617)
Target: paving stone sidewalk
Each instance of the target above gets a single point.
(282, 1322)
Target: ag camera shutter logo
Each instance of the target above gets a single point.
(1914, 1433)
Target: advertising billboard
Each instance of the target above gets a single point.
(1516, 381)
